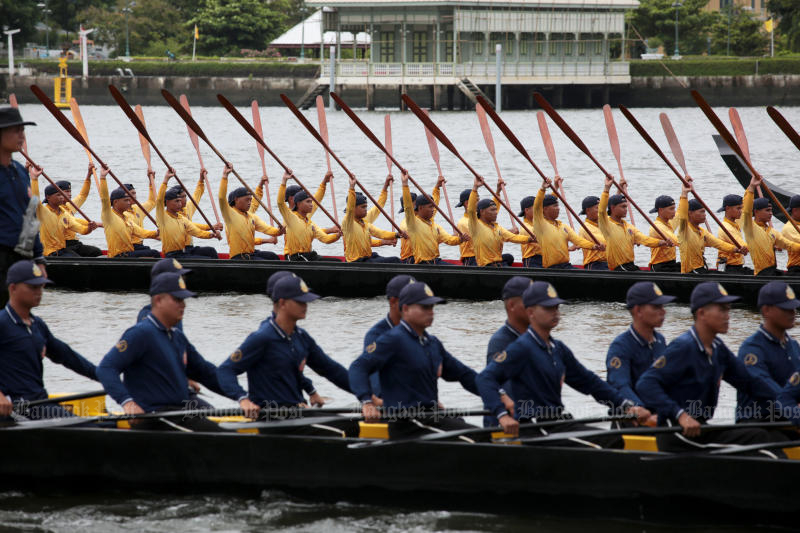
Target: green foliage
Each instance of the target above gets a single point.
(787, 14)
(22, 15)
(717, 67)
(744, 31)
(656, 18)
(227, 26)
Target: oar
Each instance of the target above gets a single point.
(62, 399)
(784, 125)
(387, 127)
(371, 136)
(743, 448)
(72, 130)
(12, 100)
(613, 139)
(193, 136)
(434, 148)
(260, 140)
(323, 130)
(551, 155)
(260, 131)
(139, 125)
(545, 105)
(487, 138)
(726, 135)
(741, 138)
(58, 189)
(649, 140)
(314, 133)
(426, 120)
(143, 141)
(76, 116)
(521, 149)
(196, 128)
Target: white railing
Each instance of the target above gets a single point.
(546, 69)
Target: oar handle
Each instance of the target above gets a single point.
(78, 209)
(447, 201)
(68, 398)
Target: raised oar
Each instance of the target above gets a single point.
(434, 148)
(12, 100)
(649, 140)
(260, 131)
(187, 118)
(139, 125)
(726, 135)
(323, 130)
(371, 136)
(387, 128)
(741, 138)
(76, 116)
(545, 105)
(551, 154)
(426, 120)
(487, 138)
(142, 141)
(53, 183)
(193, 136)
(314, 133)
(784, 125)
(72, 130)
(259, 139)
(613, 139)
(521, 149)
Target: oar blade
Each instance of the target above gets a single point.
(257, 125)
(784, 125)
(183, 109)
(487, 133)
(323, 127)
(433, 147)
(547, 139)
(387, 128)
(613, 138)
(672, 139)
(738, 130)
(145, 144)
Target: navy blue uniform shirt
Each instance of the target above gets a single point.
(498, 343)
(274, 363)
(409, 368)
(381, 327)
(15, 185)
(155, 361)
(628, 357)
(22, 349)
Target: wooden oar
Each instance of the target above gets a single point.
(193, 136)
(733, 449)
(434, 149)
(53, 183)
(741, 138)
(551, 155)
(72, 130)
(323, 131)
(728, 138)
(12, 100)
(260, 140)
(521, 149)
(314, 133)
(76, 116)
(545, 105)
(260, 131)
(613, 139)
(187, 118)
(142, 141)
(62, 399)
(487, 138)
(426, 120)
(387, 127)
(140, 127)
(649, 140)
(784, 125)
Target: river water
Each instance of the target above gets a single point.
(92, 321)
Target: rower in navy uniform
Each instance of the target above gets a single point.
(682, 385)
(537, 366)
(25, 341)
(157, 360)
(634, 351)
(274, 357)
(409, 363)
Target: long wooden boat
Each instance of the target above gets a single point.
(640, 486)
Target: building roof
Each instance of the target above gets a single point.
(311, 35)
(552, 4)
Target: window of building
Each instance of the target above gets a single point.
(524, 44)
(581, 48)
(477, 45)
(540, 41)
(387, 46)
(419, 47)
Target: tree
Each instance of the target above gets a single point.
(746, 37)
(656, 18)
(227, 26)
(22, 15)
(788, 14)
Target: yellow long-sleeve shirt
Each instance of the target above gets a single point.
(589, 255)
(762, 239)
(662, 254)
(487, 239)
(135, 213)
(78, 200)
(406, 249)
(693, 240)
(620, 236)
(553, 236)
(790, 234)
(532, 248)
(358, 241)
(733, 227)
(466, 248)
(175, 227)
(240, 226)
(54, 223)
(300, 231)
(118, 229)
(425, 235)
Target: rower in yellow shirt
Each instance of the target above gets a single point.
(73, 244)
(664, 258)
(120, 230)
(406, 248)
(487, 235)
(761, 238)
(619, 235)
(360, 235)
(592, 259)
(466, 248)
(175, 227)
(732, 263)
(136, 214)
(693, 239)
(241, 225)
(788, 231)
(531, 252)
(300, 230)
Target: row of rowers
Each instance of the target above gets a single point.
(606, 239)
(396, 376)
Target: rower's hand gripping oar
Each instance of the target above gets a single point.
(257, 125)
(72, 130)
(323, 131)
(613, 140)
(545, 105)
(387, 129)
(314, 133)
(434, 149)
(139, 125)
(76, 116)
(547, 140)
(487, 138)
(260, 140)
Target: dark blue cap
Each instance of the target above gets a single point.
(168, 265)
(615, 199)
(360, 200)
(483, 204)
(710, 292)
(50, 190)
(299, 197)
(421, 200)
(413, 199)
(549, 199)
(170, 283)
(695, 205)
(237, 193)
(730, 200)
(541, 293)
(779, 294)
(118, 194)
(291, 190)
(589, 201)
(794, 201)
(418, 293)
(661, 202)
(524, 204)
(26, 272)
(397, 284)
(463, 198)
(64, 185)
(275, 278)
(760, 203)
(173, 193)
(516, 287)
(292, 288)
(646, 292)
(129, 186)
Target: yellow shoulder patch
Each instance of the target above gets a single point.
(795, 379)
(660, 362)
(500, 357)
(122, 345)
(750, 359)
(789, 293)
(236, 356)
(615, 362)
(371, 347)
(181, 283)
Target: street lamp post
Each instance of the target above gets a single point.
(677, 6)
(303, 12)
(46, 11)
(10, 34)
(128, 9)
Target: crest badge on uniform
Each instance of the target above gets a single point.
(428, 290)
(722, 290)
(795, 379)
(657, 290)
(303, 286)
(36, 270)
(236, 356)
(615, 362)
(789, 293)
(177, 265)
(371, 347)
(181, 283)
(661, 362)
(122, 345)
(750, 359)
(551, 291)
(500, 357)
